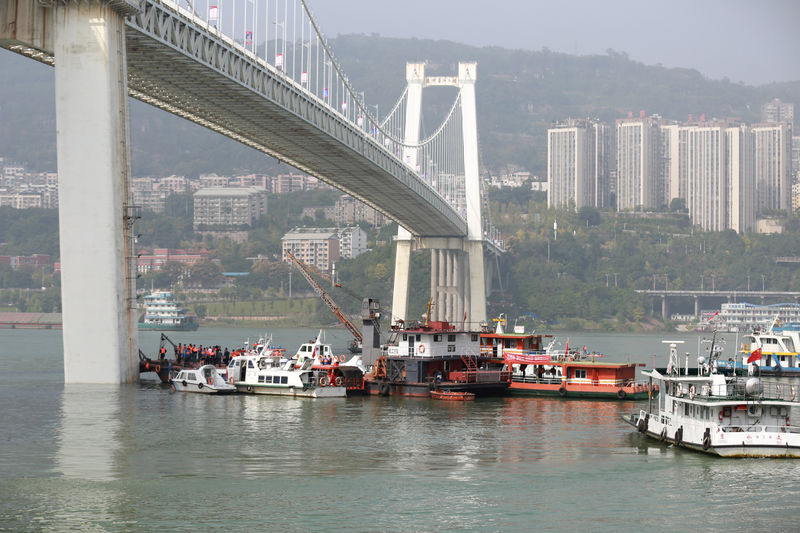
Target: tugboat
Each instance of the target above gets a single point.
(540, 370)
(704, 410)
(434, 356)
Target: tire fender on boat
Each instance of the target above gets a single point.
(200, 385)
(183, 383)
(679, 435)
(642, 425)
(706, 442)
(621, 394)
(384, 389)
(663, 435)
(158, 369)
(562, 391)
(249, 388)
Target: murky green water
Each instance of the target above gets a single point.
(144, 458)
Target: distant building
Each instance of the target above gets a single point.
(348, 211)
(742, 314)
(318, 247)
(773, 164)
(231, 207)
(577, 164)
(41, 261)
(328, 212)
(639, 182)
(156, 260)
(352, 242)
(777, 111)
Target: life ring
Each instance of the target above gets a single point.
(663, 435)
(230, 380)
(384, 389)
(183, 383)
(621, 394)
(692, 392)
(338, 381)
(706, 442)
(158, 369)
(200, 385)
(679, 390)
(679, 435)
(562, 391)
(323, 381)
(341, 358)
(421, 348)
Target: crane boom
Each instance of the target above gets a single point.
(347, 321)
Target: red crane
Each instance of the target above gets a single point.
(346, 320)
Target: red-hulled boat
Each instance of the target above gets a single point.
(539, 370)
(452, 396)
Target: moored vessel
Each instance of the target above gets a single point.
(422, 357)
(204, 380)
(541, 370)
(271, 374)
(163, 313)
(728, 416)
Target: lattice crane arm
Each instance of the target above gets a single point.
(347, 321)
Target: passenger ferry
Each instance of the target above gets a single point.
(163, 313)
(420, 358)
(351, 371)
(723, 415)
(540, 370)
(271, 374)
(770, 351)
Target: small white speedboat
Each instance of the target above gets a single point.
(205, 380)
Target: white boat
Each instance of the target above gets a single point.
(205, 380)
(723, 415)
(267, 374)
(768, 351)
(163, 313)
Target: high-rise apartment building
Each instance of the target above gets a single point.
(772, 163)
(638, 163)
(577, 164)
(229, 206)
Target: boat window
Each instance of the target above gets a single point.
(250, 364)
(474, 337)
(261, 379)
(686, 409)
(284, 380)
(451, 338)
(437, 338)
(191, 376)
(451, 347)
(267, 379)
(789, 345)
(405, 336)
(580, 373)
(507, 343)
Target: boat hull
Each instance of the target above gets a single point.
(754, 444)
(423, 390)
(580, 391)
(295, 392)
(162, 327)
(204, 389)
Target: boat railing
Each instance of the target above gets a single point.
(479, 376)
(759, 428)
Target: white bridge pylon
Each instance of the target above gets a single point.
(458, 286)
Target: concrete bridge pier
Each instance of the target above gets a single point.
(95, 211)
(664, 307)
(697, 307)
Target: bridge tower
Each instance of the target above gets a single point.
(458, 287)
(87, 41)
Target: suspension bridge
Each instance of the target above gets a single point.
(262, 73)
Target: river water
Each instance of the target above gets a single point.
(141, 457)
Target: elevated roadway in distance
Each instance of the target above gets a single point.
(730, 295)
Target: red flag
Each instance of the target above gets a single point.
(754, 356)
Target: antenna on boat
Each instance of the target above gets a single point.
(673, 368)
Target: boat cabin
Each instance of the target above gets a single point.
(436, 339)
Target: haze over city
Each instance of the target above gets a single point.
(753, 42)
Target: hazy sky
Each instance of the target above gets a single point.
(756, 41)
